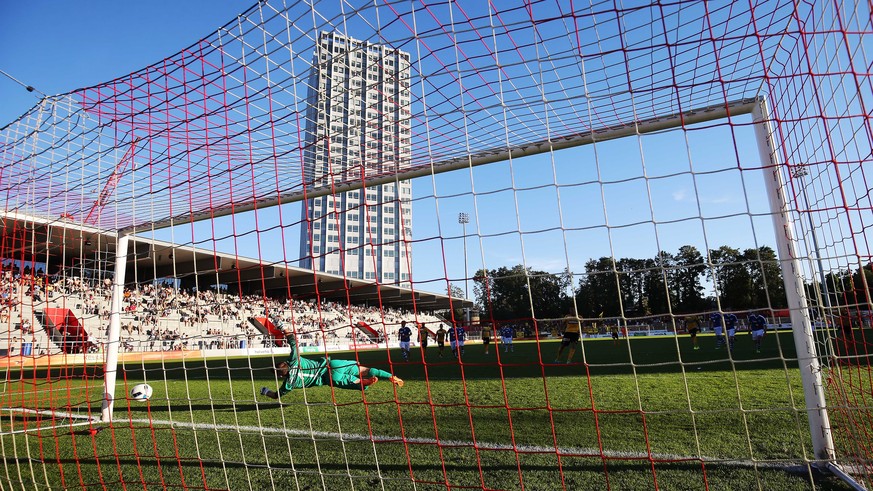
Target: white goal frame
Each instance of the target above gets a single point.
(808, 358)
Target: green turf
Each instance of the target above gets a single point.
(707, 420)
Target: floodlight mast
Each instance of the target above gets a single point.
(464, 219)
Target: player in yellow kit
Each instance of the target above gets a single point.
(571, 337)
(486, 337)
(441, 339)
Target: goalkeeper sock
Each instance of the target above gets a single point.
(375, 372)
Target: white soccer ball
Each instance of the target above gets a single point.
(141, 392)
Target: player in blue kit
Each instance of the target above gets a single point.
(758, 327)
(297, 372)
(405, 335)
(506, 335)
(730, 324)
(457, 336)
(717, 326)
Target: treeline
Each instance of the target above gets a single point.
(744, 280)
(853, 290)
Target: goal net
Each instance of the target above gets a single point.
(454, 245)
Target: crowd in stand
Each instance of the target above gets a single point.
(161, 317)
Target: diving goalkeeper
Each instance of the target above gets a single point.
(297, 372)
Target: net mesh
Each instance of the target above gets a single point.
(176, 138)
(583, 168)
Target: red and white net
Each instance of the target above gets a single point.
(337, 168)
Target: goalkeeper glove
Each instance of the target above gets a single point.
(265, 391)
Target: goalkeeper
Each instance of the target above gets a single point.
(297, 372)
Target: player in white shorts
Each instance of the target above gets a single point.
(405, 335)
(506, 335)
(730, 324)
(758, 326)
(457, 336)
(718, 328)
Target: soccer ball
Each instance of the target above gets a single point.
(141, 392)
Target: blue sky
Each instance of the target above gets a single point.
(546, 211)
(59, 46)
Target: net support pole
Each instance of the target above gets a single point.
(113, 339)
(801, 326)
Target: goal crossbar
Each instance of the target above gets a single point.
(639, 127)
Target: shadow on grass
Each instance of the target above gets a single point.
(582, 464)
(588, 473)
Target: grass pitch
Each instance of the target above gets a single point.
(648, 413)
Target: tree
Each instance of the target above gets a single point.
(858, 288)
(731, 277)
(657, 284)
(597, 293)
(482, 286)
(685, 282)
(455, 291)
(765, 273)
(519, 292)
(631, 279)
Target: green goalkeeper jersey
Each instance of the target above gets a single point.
(303, 372)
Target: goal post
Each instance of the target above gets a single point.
(807, 354)
(805, 343)
(113, 337)
(311, 190)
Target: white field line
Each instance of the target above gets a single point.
(357, 437)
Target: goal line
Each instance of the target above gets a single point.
(315, 435)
